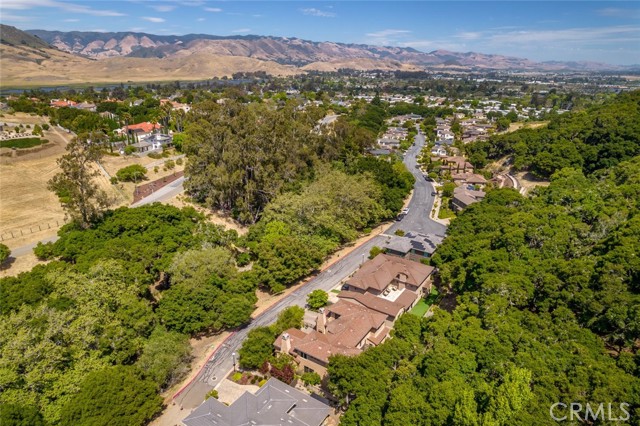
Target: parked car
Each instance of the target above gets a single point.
(434, 193)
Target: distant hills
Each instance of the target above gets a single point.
(286, 51)
(39, 57)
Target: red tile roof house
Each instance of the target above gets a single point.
(59, 103)
(140, 130)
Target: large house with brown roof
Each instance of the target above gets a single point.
(343, 328)
(386, 274)
(463, 197)
(371, 300)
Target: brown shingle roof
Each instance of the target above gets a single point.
(379, 272)
(375, 303)
(343, 334)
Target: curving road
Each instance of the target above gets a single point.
(417, 219)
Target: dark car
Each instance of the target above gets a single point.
(434, 193)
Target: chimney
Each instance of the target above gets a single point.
(286, 343)
(321, 321)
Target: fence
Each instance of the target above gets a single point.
(32, 229)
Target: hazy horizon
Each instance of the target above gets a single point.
(607, 32)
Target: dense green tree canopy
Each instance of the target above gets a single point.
(113, 396)
(547, 311)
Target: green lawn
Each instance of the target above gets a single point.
(445, 212)
(22, 143)
(420, 309)
(423, 304)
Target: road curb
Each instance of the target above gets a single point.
(177, 394)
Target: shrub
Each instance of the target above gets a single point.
(128, 150)
(44, 251)
(399, 232)
(114, 180)
(155, 155)
(132, 173)
(243, 259)
(156, 169)
(317, 299)
(179, 162)
(211, 394)
(375, 250)
(311, 378)
(237, 376)
(262, 382)
(4, 252)
(169, 165)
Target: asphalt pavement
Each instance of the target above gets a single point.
(417, 219)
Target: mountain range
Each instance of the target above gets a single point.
(286, 51)
(50, 57)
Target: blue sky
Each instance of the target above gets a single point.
(539, 30)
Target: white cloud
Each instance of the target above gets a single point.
(200, 19)
(312, 11)
(569, 36)
(417, 44)
(213, 9)
(8, 17)
(68, 7)
(387, 33)
(619, 13)
(388, 37)
(469, 35)
(241, 31)
(163, 7)
(153, 19)
(191, 3)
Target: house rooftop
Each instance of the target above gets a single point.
(426, 243)
(379, 272)
(275, 403)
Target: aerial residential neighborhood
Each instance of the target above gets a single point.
(319, 214)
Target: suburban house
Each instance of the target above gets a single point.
(468, 178)
(463, 197)
(413, 246)
(86, 106)
(439, 151)
(59, 103)
(140, 130)
(372, 299)
(456, 165)
(275, 403)
(391, 276)
(343, 328)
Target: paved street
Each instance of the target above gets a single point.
(166, 192)
(416, 220)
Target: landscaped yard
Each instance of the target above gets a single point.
(422, 306)
(22, 143)
(445, 212)
(420, 309)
